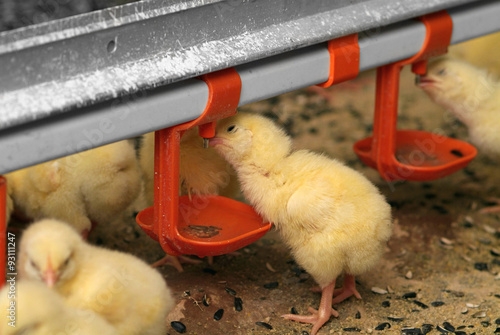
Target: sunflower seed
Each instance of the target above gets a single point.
(495, 252)
(489, 229)
(386, 303)
(270, 268)
(352, 329)
(409, 275)
(206, 300)
(271, 285)
(437, 303)
(464, 310)
(395, 318)
(264, 324)
(426, 328)
(446, 241)
(218, 315)
(481, 266)
(479, 315)
(210, 271)
(420, 304)
(379, 290)
(448, 326)
(471, 305)
(358, 315)
(294, 311)
(230, 291)
(238, 304)
(411, 331)
(178, 326)
(383, 326)
(409, 295)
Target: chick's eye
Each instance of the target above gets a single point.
(33, 264)
(441, 72)
(232, 129)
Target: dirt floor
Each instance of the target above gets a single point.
(442, 262)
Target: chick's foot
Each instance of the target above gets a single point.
(348, 289)
(491, 209)
(321, 316)
(175, 261)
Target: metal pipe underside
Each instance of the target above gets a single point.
(81, 82)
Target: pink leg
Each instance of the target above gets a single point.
(491, 209)
(348, 289)
(321, 316)
(175, 261)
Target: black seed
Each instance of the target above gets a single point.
(497, 330)
(442, 330)
(352, 329)
(420, 304)
(271, 285)
(294, 311)
(467, 224)
(263, 324)
(386, 303)
(497, 295)
(238, 304)
(206, 300)
(396, 319)
(460, 332)
(411, 331)
(208, 270)
(230, 291)
(461, 327)
(218, 315)
(457, 153)
(495, 252)
(497, 321)
(481, 266)
(304, 332)
(485, 323)
(358, 315)
(448, 326)
(409, 295)
(440, 209)
(426, 328)
(178, 326)
(383, 326)
(437, 303)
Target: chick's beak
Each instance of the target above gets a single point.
(50, 277)
(215, 141)
(425, 81)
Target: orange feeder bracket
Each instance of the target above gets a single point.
(344, 60)
(408, 154)
(3, 228)
(204, 225)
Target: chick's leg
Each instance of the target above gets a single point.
(322, 315)
(348, 289)
(175, 261)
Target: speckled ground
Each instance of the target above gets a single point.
(441, 264)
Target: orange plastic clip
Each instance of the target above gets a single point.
(173, 220)
(344, 60)
(405, 154)
(3, 228)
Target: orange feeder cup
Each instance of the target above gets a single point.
(205, 225)
(407, 154)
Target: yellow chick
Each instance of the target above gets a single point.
(470, 94)
(121, 288)
(473, 96)
(32, 308)
(201, 171)
(93, 186)
(9, 205)
(483, 52)
(333, 219)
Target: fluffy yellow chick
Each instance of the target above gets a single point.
(93, 186)
(32, 308)
(473, 96)
(483, 52)
(121, 288)
(201, 171)
(333, 219)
